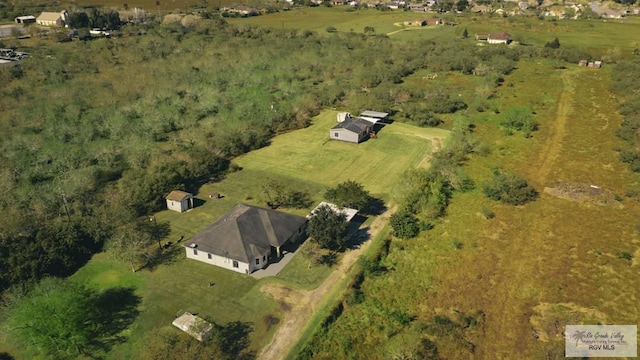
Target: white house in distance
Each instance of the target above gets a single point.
(245, 238)
(179, 201)
(52, 19)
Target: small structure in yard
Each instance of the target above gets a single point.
(342, 116)
(245, 238)
(433, 22)
(597, 64)
(193, 325)
(417, 22)
(348, 212)
(28, 19)
(53, 19)
(582, 63)
(179, 201)
(495, 38)
(353, 130)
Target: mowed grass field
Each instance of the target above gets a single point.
(301, 159)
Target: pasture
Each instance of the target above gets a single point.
(303, 159)
(521, 276)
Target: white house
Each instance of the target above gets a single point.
(52, 18)
(245, 238)
(179, 201)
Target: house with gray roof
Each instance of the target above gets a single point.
(246, 238)
(352, 130)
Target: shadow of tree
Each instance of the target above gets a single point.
(375, 206)
(116, 309)
(168, 255)
(6, 356)
(234, 340)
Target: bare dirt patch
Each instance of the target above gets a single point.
(584, 193)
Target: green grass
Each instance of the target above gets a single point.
(309, 156)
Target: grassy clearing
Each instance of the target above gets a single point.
(344, 19)
(309, 156)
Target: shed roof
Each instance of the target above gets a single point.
(178, 195)
(49, 16)
(355, 125)
(378, 114)
(246, 232)
(348, 212)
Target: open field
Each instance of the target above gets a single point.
(532, 269)
(182, 285)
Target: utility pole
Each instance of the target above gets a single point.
(155, 230)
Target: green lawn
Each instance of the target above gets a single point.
(303, 159)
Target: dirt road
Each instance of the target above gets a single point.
(303, 303)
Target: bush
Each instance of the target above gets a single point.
(405, 225)
(487, 213)
(510, 189)
(331, 29)
(520, 119)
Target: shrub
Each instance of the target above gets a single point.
(510, 189)
(404, 224)
(331, 29)
(625, 255)
(487, 213)
(520, 119)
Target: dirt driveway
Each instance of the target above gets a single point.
(303, 303)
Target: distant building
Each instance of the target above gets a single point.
(28, 19)
(353, 130)
(52, 19)
(417, 22)
(496, 38)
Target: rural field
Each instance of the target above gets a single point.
(523, 274)
(482, 279)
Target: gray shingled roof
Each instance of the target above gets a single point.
(355, 125)
(246, 231)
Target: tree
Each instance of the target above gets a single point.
(465, 33)
(331, 29)
(369, 30)
(132, 243)
(349, 194)
(510, 189)
(328, 228)
(462, 5)
(77, 20)
(404, 225)
(55, 319)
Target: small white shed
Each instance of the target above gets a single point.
(179, 201)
